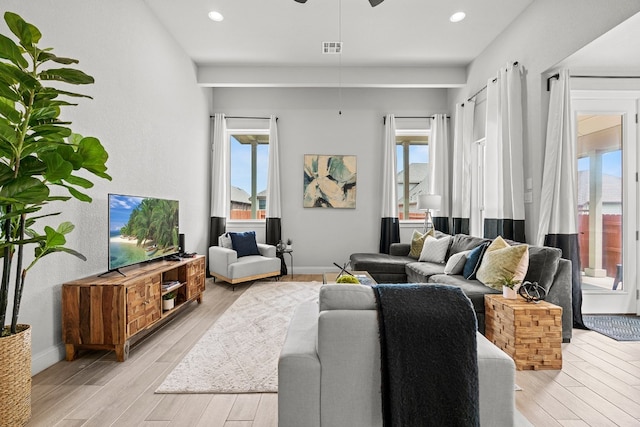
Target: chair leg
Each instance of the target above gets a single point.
(618, 280)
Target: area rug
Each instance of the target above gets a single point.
(239, 353)
(620, 328)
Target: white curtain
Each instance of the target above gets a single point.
(503, 176)
(559, 200)
(220, 161)
(461, 176)
(439, 170)
(274, 207)
(390, 224)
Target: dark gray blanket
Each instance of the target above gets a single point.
(429, 356)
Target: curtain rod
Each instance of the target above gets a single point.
(246, 117)
(384, 118)
(515, 64)
(557, 75)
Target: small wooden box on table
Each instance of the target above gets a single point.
(106, 313)
(530, 333)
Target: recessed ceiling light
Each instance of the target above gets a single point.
(457, 17)
(215, 16)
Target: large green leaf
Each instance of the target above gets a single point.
(58, 169)
(27, 33)
(6, 174)
(8, 110)
(68, 152)
(8, 92)
(67, 75)
(79, 181)
(9, 50)
(44, 56)
(94, 156)
(13, 74)
(48, 129)
(25, 190)
(78, 195)
(31, 165)
(54, 237)
(42, 114)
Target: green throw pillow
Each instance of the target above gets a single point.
(417, 242)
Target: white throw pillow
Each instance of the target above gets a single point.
(435, 250)
(456, 263)
(224, 241)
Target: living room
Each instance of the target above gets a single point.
(152, 106)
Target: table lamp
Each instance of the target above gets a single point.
(428, 202)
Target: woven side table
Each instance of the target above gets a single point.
(530, 333)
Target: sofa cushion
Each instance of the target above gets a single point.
(456, 263)
(473, 289)
(346, 297)
(503, 262)
(474, 258)
(463, 242)
(543, 264)
(435, 250)
(419, 272)
(224, 241)
(417, 242)
(244, 243)
(379, 263)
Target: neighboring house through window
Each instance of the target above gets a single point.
(249, 165)
(412, 152)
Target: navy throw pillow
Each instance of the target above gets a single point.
(245, 243)
(474, 258)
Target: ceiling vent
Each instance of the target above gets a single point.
(330, 48)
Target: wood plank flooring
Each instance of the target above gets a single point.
(599, 384)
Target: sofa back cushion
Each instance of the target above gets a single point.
(346, 297)
(464, 242)
(543, 264)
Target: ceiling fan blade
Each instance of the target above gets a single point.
(301, 1)
(374, 3)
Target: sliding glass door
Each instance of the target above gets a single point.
(605, 128)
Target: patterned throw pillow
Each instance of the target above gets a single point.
(224, 241)
(435, 250)
(502, 261)
(417, 242)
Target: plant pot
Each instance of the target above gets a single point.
(15, 377)
(509, 293)
(168, 304)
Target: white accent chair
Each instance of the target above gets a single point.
(224, 264)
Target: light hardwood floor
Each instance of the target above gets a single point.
(599, 384)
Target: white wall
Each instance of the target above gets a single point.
(151, 117)
(543, 35)
(309, 124)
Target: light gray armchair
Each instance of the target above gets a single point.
(224, 264)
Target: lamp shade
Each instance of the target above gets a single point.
(429, 201)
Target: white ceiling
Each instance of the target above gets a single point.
(287, 33)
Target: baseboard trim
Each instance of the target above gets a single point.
(47, 358)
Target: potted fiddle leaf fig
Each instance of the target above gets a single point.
(42, 163)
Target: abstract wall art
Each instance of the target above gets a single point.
(329, 181)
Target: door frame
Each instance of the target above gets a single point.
(625, 103)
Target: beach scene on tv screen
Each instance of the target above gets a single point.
(141, 229)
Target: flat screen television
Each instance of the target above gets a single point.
(141, 229)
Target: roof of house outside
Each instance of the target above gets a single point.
(611, 188)
(238, 195)
(417, 173)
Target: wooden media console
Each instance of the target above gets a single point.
(106, 313)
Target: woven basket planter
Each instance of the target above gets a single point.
(15, 377)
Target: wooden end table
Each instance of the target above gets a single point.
(530, 333)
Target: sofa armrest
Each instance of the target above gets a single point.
(399, 249)
(496, 377)
(561, 293)
(267, 250)
(220, 258)
(299, 371)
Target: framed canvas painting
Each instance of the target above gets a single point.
(329, 181)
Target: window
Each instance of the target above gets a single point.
(249, 165)
(412, 152)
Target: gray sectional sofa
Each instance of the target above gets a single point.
(545, 267)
